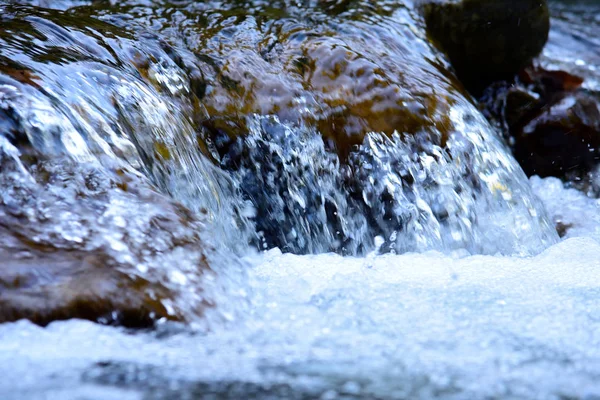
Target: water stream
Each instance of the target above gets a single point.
(305, 185)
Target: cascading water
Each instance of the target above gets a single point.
(469, 195)
(92, 101)
(145, 144)
(131, 102)
(87, 128)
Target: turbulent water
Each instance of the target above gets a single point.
(113, 145)
(137, 102)
(394, 326)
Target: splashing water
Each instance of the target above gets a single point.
(99, 108)
(130, 101)
(104, 155)
(394, 326)
(418, 196)
(78, 135)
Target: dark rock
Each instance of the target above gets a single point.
(563, 138)
(488, 40)
(553, 124)
(562, 228)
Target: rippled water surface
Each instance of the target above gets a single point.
(163, 143)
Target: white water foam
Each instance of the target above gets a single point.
(325, 326)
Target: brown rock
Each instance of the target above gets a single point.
(82, 243)
(44, 285)
(346, 77)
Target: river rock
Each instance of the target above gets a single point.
(79, 242)
(92, 129)
(488, 40)
(553, 124)
(563, 139)
(347, 70)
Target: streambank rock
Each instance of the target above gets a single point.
(488, 40)
(553, 124)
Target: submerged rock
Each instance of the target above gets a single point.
(347, 70)
(85, 112)
(79, 242)
(488, 40)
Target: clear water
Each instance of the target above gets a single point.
(438, 321)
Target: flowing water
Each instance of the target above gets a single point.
(170, 139)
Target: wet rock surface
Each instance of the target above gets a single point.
(564, 140)
(78, 242)
(488, 40)
(347, 70)
(83, 233)
(552, 123)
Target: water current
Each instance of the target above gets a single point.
(306, 193)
